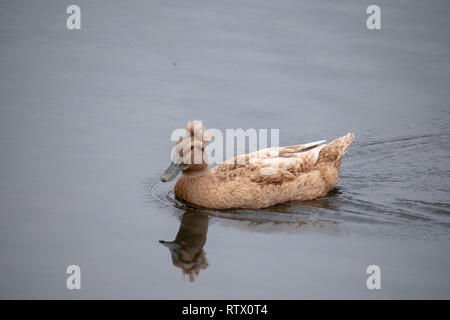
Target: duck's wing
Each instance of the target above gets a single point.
(271, 165)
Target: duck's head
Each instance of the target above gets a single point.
(189, 152)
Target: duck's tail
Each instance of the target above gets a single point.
(335, 149)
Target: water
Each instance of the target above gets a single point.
(85, 124)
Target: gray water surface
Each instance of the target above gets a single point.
(85, 123)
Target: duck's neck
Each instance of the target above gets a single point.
(197, 170)
(196, 185)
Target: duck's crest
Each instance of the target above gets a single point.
(195, 129)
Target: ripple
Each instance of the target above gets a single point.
(342, 211)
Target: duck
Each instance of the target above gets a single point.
(254, 180)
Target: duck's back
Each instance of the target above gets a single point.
(278, 165)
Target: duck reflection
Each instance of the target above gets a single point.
(187, 248)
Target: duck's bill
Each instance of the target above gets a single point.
(172, 245)
(171, 172)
